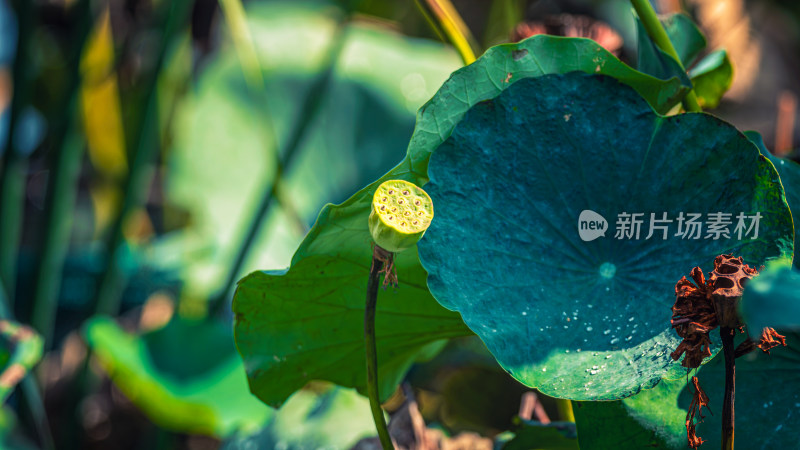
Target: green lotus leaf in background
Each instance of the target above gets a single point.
(308, 325)
(712, 77)
(767, 401)
(334, 418)
(198, 388)
(340, 239)
(685, 36)
(21, 350)
(587, 319)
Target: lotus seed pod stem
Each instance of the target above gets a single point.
(401, 212)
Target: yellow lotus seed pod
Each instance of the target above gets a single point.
(401, 212)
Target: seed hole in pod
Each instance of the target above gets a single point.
(417, 202)
(390, 218)
(394, 209)
(727, 268)
(402, 224)
(384, 199)
(400, 202)
(419, 213)
(405, 192)
(415, 222)
(724, 283)
(407, 213)
(391, 192)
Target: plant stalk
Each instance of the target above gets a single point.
(659, 35)
(15, 165)
(61, 190)
(729, 351)
(437, 30)
(372, 352)
(565, 412)
(450, 24)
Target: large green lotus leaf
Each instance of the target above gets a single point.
(21, 349)
(496, 70)
(586, 320)
(185, 377)
(767, 400)
(308, 325)
(335, 418)
(340, 238)
(790, 178)
(222, 160)
(503, 65)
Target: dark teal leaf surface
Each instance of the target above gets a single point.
(579, 319)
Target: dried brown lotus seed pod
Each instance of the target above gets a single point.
(728, 279)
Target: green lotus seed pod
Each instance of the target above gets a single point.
(401, 212)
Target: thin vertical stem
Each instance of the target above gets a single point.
(729, 351)
(659, 35)
(15, 165)
(61, 189)
(371, 349)
(437, 30)
(62, 192)
(450, 24)
(565, 412)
